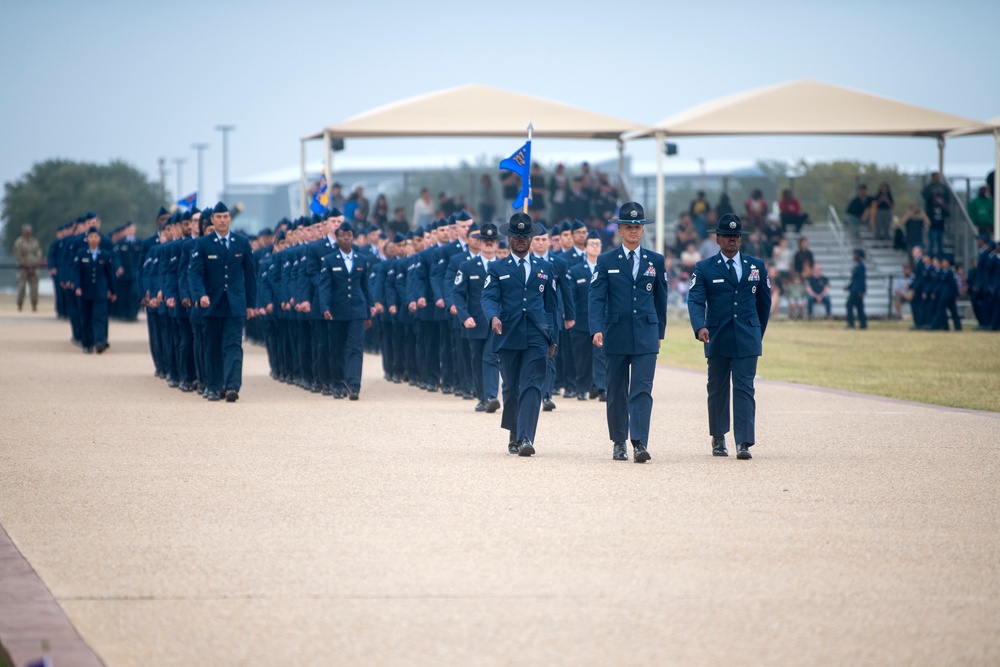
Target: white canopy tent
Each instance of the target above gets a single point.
(991, 126)
(472, 111)
(800, 107)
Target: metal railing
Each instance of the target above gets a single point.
(961, 232)
(837, 227)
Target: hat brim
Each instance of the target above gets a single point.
(536, 230)
(729, 232)
(644, 221)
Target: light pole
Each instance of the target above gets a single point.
(201, 150)
(225, 129)
(162, 162)
(179, 161)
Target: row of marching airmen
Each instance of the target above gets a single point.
(454, 307)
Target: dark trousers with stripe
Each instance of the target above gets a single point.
(741, 370)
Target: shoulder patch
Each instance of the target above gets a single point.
(458, 278)
(488, 280)
(694, 279)
(594, 277)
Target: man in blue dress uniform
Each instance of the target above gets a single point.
(469, 281)
(346, 301)
(224, 282)
(590, 363)
(729, 302)
(519, 302)
(628, 317)
(95, 285)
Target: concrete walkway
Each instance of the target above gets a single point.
(290, 528)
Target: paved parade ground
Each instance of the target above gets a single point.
(291, 528)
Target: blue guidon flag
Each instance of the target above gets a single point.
(520, 164)
(190, 202)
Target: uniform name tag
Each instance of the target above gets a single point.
(614, 271)
(213, 257)
(85, 260)
(337, 268)
(719, 280)
(505, 277)
(474, 277)
(581, 280)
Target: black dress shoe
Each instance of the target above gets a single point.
(327, 391)
(602, 396)
(512, 444)
(353, 395)
(548, 405)
(466, 396)
(719, 447)
(526, 448)
(340, 392)
(173, 384)
(186, 388)
(621, 452)
(569, 394)
(213, 396)
(639, 452)
(481, 406)
(592, 393)
(88, 350)
(101, 347)
(315, 388)
(446, 390)
(492, 406)
(743, 451)
(582, 397)
(231, 396)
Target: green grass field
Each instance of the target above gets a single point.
(959, 370)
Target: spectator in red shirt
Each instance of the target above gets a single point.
(791, 212)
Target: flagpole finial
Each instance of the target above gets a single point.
(531, 128)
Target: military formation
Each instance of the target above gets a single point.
(508, 316)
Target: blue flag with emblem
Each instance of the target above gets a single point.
(191, 201)
(320, 197)
(520, 164)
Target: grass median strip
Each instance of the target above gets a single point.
(960, 370)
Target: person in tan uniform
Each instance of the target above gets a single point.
(28, 255)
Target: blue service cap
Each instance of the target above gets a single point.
(566, 226)
(398, 238)
(418, 233)
(280, 236)
(345, 227)
(265, 232)
(93, 230)
(162, 212)
(462, 216)
(334, 212)
(592, 234)
(220, 208)
(577, 224)
(474, 227)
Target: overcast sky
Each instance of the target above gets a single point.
(139, 80)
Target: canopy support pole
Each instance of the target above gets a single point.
(328, 154)
(621, 170)
(941, 156)
(302, 177)
(660, 203)
(996, 174)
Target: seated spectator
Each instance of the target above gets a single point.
(686, 232)
(724, 206)
(446, 204)
(981, 211)
(398, 223)
(817, 290)
(781, 255)
(791, 212)
(380, 214)
(756, 211)
(699, 212)
(804, 256)
(487, 199)
(901, 290)
(883, 211)
(777, 287)
(772, 234)
(914, 223)
(709, 247)
(858, 211)
(690, 257)
(751, 245)
(537, 206)
(423, 209)
(796, 293)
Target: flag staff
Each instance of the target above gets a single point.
(531, 128)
